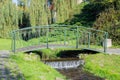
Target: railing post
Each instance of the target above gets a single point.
(89, 39)
(65, 36)
(39, 35)
(14, 42)
(105, 42)
(77, 38)
(47, 36)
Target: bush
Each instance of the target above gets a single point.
(109, 20)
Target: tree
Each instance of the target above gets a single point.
(9, 17)
(32, 13)
(109, 21)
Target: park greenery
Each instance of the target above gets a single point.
(103, 15)
(99, 14)
(32, 13)
(103, 65)
(98, 64)
(33, 69)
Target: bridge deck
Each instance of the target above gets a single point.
(51, 46)
(36, 47)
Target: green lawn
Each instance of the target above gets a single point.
(33, 69)
(115, 46)
(103, 65)
(5, 44)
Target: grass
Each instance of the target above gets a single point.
(115, 46)
(103, 65)
(33, 69)
(51, 53)
(5, 44)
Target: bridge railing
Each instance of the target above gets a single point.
(58, 36)
(93, 39)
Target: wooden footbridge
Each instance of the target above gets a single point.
(58, 36)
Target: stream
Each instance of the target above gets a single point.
(72, 69)
(71, 65)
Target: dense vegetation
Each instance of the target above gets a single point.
(9, 17)
(102, 15)
(33, 13)
(109, 20)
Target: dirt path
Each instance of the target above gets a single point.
(8, 72)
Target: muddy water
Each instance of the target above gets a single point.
(78, 74)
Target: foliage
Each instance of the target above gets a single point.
(87, 13)
(43, 12)
(109, 21)
(9, 17)
(100, 65)
(101, 15)
(33, 69)
(33, 13)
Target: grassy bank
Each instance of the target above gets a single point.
(103, 65)
(33, 69)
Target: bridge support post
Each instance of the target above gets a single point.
(77, 38)
(89, 39)
(65, 36)
(47, 36)
(39, 34)
(14, 42)
(105, 42)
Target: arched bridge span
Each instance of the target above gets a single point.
(58, 36)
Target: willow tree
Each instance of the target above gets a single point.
(42, 12)
(38, 12)
(63, 9)
(9, 18)
(23, 7)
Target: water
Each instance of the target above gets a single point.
(78, 74)
(64, 64)
(72, 69)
